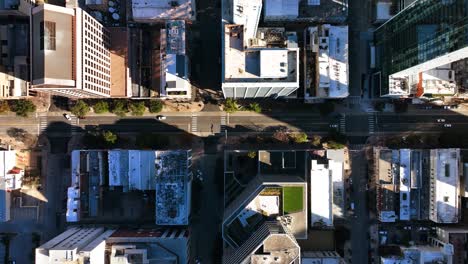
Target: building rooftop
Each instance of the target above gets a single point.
(132, 169)
(328, 11)
(246, 63)
(174, 61)
(270, 243)
(267, 198)
(147, 10)
(445, 181)
(281, 9)
(418, 254)
(386, 183)
(173, 187)
(55, 62)
(327, 72)
(120, 76)
(321, 195)
(404, 184)
(162, 245)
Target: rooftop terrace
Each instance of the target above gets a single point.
(270, 57)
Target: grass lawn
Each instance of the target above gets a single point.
(293, 199)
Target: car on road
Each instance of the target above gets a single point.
(161, 117)
(450, 106)
(334, 125)
(440, 120)
(67, 116)
(447, 125)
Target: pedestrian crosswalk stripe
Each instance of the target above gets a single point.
(194, 123)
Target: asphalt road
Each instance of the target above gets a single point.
(360, 220)
(357, 124)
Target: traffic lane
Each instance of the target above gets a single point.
(134, 124)
(421, 127)
(358, 123)
(359, 224)
(421, 118)
(297, 121)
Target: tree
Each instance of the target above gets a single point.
(331, 144)
(137, 108)
(379, 106)
(120, 108)
(109, 137)
(316, 140)
(255, 107)
(155, 106)
(80, 109)
(252, 154)
(401, 106)
(326, 108)
(300, 137)
(23, 107)
(231, 106)
(4, 107)
(101, 107)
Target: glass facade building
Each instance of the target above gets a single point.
(423, 31)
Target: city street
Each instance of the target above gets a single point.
(360, 217)
(352, 123)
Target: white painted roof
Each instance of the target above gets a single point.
(446, 184)
(405, 181)
(320, 192)
(247, 13)
(273, 63)
(332, 60)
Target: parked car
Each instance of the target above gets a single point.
(447, 125)
(160, 117)
(441, 120)
(67, 116)
(334, 125)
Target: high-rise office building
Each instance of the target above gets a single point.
(415, 49)
(70, 53)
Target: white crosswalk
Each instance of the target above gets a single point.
(354, 99)
(42, 122)
(371, 121)
(194, 127)
(75, 122)
(223, 124)
(343, 124)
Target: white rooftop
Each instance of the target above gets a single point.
(132, 169)
(405, 181)
(281, 9)
(274, 63)
(247, 13)
(321, 196)
(333, 68)
(161, 9)
(447, 180)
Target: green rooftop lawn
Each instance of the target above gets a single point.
(293, 199)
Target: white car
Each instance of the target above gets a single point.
(447, 125)
(67, 116)
(334, 125)
(161, 117)
(440, 120)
